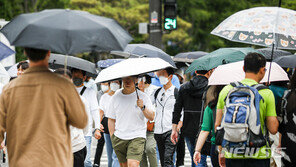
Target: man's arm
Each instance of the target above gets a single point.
(111, 126)
(219, 115)
(272, 124)
(94, 109)
(148, 113)
(177, 110)
(2, 117)
(74, 107)
(271, 119)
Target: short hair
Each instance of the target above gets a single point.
(170, 71)
(35, 54)
(75, 70)
(23, 64)
(253, 62)
(148, 79)
(63, 71)
(202, 72)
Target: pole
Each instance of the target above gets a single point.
(272, 50)
(280, 3)
(155, 26)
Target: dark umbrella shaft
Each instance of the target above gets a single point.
(270, 63)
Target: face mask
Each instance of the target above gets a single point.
(104, 88)
(163, 80)
(114, 87)
(77, 81)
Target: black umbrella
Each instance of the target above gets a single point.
(188, 57)
(286, 61)
(276, 53)
(58, 61)
(66, 31)
(147, 50)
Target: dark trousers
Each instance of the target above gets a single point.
(79, 157)
(166, 149)
(99, 150)
(214, 156)
(247, 162)
(180, 151)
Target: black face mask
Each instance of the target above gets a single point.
(77, 81)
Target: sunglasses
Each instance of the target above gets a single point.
(162, 97)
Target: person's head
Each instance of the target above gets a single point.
(165, 76)
(144, 82)
(216, 92)
(115, 85)
(78, 77)
(65, 72)
(254, 63)
(37, 57)
(129, 83)
(105, 86)
(21, 67)
(206, 73)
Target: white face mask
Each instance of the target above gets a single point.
(114, 87)
(163, 80)
(104, 88)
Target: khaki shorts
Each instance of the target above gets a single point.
(128, 149)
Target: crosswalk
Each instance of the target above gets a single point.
(104, 159)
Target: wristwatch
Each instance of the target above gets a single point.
(143, 108)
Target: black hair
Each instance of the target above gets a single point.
(75, 70)
(23, 64)
(253, 62)
(148, 79)
(202, 72)
(170, 71)
(216, 92)
(62, 72)
(35, 54)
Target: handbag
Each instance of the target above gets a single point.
(150, 126)
(206, 149)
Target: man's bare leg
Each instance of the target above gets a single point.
(133, 163)
(123, 164)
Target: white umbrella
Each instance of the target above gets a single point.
(4, 76)
(225, 74)
(131, 67)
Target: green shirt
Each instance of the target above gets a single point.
(208, 123)
(267, 108)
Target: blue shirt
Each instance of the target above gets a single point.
(175, 81)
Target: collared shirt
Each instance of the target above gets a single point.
(165, 102)
(36, 110)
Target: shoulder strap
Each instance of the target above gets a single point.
(156, 93)
(260, 87)
(235, 84)
(82, 91)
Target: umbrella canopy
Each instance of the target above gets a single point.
(286, 61)
(5, 51)
(4, 76)
(261, 26)
(225, 74)
(189, 57)
(147, 50)
(66, 31)
(58, 61)
(107, 63)
(131, 67)
(266, 52)
(219, 57)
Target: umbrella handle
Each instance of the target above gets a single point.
(268, 79)
(65, 64)
(136, 91)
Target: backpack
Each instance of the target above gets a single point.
(241, 118)
(288, 97)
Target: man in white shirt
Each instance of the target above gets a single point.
(165, 101)
(78, 77)
(127, 117)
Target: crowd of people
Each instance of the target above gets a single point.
(50, 118)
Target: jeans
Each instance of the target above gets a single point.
(79, 157)
(87, 162)
(190, 141)
(180, 151)
(214, 156)
(109, 149)
(247, 162)
(115, 162)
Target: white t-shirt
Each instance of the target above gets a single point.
(77, 135)
(130, 122)
(91, 97)
(105, 102)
